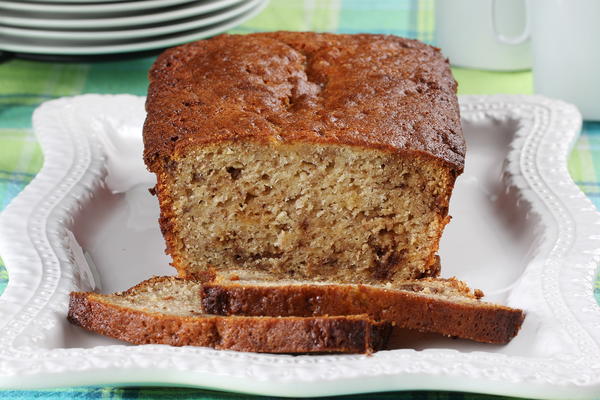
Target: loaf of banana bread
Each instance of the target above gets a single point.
(311, 156)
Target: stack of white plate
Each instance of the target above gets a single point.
(101, 27)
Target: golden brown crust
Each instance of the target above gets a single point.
(348, 334)
(377, 91)
(478, 321)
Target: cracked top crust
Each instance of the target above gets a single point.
(377, 91)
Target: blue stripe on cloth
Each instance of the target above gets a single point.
(17, 116)
(385, 16)
(166, 393)
(587, 183)
(16, 180)
(10, 173)
(591, 127)
(3, 277)
(10, 188)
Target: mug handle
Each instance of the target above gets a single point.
(514, 40)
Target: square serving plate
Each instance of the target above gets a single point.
(521, 231)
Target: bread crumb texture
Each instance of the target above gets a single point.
(308, 211)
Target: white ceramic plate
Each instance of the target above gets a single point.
(522, 231)
(151, 17)
(145, 44)
(92, 9)
(59, 38)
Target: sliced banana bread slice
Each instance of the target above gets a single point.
(168, 310)
(445, 306)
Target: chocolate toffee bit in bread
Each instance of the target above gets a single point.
(168, 310)
(313, 156)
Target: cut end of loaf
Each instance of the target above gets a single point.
(305, 211)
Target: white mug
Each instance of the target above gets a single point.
(565, 36)
(465, 31)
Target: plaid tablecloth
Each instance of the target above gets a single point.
(26, 84)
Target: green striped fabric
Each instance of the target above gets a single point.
(26, 84)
